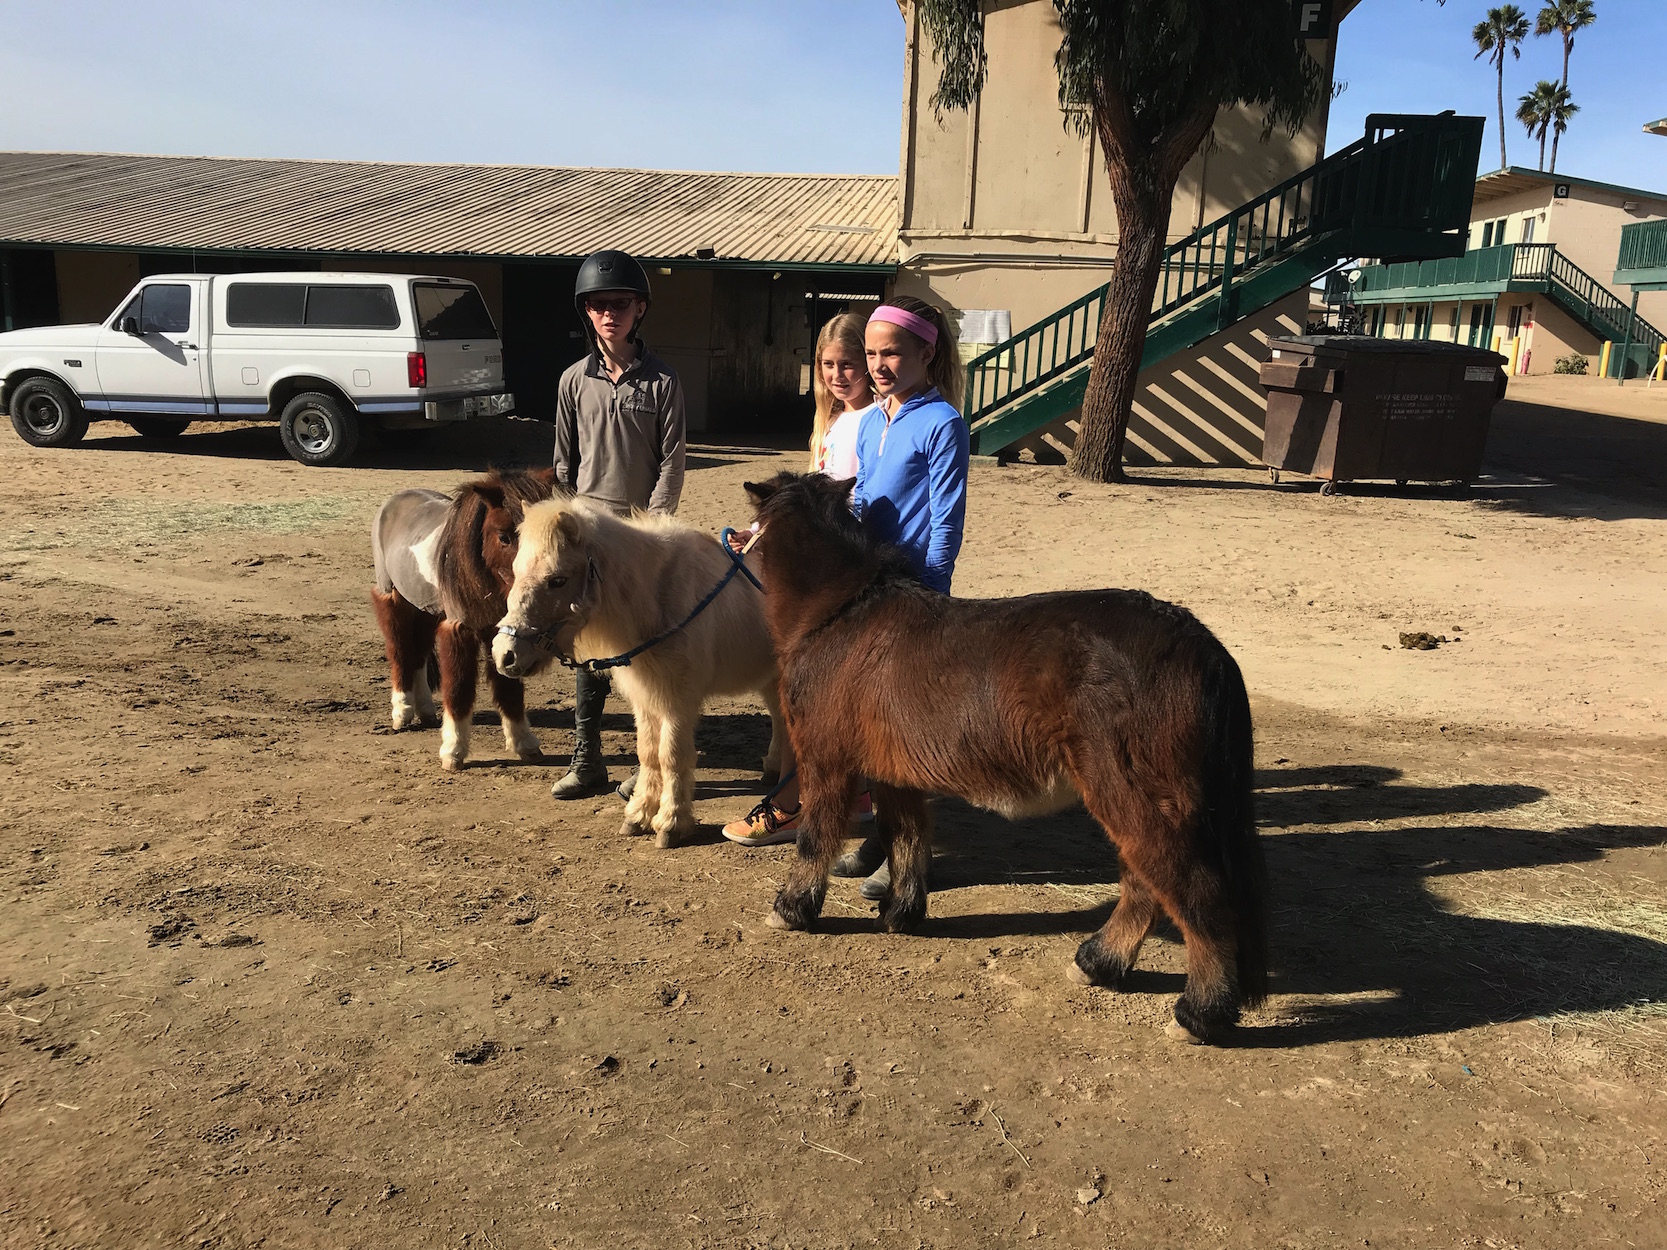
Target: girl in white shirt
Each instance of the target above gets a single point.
(843, 396)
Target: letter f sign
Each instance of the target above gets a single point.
(1309, 18)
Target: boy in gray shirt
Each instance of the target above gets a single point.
(620, 440)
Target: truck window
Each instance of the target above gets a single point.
(352, 307)
(268, 305)
(165, 309)
(452, 312)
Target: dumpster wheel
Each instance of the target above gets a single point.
(1328, 488)
(1273, 476)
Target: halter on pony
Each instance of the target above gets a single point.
(544, 639)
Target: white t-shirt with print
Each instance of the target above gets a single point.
(839, 445)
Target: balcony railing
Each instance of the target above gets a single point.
(1643, 246)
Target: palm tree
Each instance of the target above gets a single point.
(1565, 17)
(1504, 28)
(1562, 108)
(1534, 111)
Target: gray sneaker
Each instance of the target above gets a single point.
(862, 861)
(878, 884)
(581, 784)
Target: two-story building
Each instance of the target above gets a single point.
(1535, 282)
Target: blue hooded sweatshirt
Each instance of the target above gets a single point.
(912, 482)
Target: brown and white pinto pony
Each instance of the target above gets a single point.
(590, 585)
(1021, 706)
(444, 566)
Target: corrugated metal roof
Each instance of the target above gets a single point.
(221, 204)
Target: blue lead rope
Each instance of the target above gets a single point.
(736, 565)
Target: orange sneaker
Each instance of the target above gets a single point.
(765, 825)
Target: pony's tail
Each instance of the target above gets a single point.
(1230, 818)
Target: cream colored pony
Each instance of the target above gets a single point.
(590, 585)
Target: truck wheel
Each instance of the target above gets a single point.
(46, 413)
(318, 429)
(158, 427)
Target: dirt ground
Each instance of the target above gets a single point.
(269, 977)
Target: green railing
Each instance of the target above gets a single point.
(1643, 246)
(1397, 180)
(1490, 271)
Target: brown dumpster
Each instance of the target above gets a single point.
(1348, 408)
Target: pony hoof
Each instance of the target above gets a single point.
(665, 839)
(1175, 1031)
(632, 829)
(451, 763)
(1076, 976)
(532, 755)
(775, 921)
(770, 776)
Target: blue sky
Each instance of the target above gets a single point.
(810, 85)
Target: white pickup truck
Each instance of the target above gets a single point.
(319, 353)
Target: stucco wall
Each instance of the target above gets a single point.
(1005, 205)
(1586, 227)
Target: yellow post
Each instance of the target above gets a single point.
(1661, 365)
(1511, 356)
(1603, 360)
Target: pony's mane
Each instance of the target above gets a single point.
(468, 590)
(540, 522)
(825, 503)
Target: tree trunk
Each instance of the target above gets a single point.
(1098, 451)
(1542, 148)
(1143, 173)
(1555, 135)
(1503, 163)
(1568, 46)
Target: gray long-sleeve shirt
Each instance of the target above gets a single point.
(622, 443)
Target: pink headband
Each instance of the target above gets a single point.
(912, 322)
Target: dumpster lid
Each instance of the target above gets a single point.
(1347, 344)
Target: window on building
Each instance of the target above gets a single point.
(1487, 234)
(1527, 229)
(1477, 311)
(1515, 320)
(1453, 326)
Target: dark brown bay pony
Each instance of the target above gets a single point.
(1022, 706)
(444, 566)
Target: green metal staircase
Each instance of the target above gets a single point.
(1402, 190)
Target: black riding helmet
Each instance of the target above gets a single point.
(609, 270)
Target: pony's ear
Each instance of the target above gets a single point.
(568, 529)
(760, 491)
(490, 493)
(842, 487)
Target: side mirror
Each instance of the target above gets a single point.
(130, 325)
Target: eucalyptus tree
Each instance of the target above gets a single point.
(1504, 29)
(1147, 79)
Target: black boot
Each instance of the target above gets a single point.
(587, 775)
(863, 861)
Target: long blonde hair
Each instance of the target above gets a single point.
(846, 330)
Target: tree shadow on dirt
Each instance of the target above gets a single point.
(1362, 946)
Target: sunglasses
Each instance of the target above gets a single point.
(618, 305)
